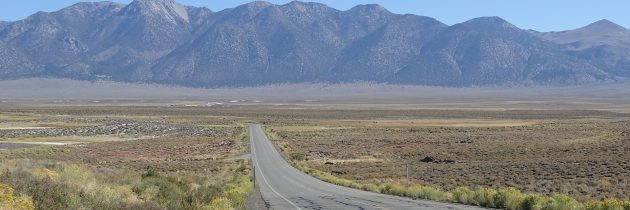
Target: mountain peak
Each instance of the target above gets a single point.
(604, 25)
(490, 23)
(369, 11)
(152, 3)
(256, 5)
(248, 11)
(299, 5)
(370, 8)
(169, 9)
(488, 20)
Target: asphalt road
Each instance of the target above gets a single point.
(284, 187)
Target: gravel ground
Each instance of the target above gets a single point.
(117, 127)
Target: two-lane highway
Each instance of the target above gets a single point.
(284, 187)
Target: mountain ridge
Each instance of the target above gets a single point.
(259, 43)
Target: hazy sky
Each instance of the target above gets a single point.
(542, 15)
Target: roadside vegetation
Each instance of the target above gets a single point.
(182, 161)
(50, 185)
(8, 200)
(508, 198)
(559, 161)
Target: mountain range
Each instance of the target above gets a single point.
(259, 43)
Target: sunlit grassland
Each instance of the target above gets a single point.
(509, 160)
(186, 169)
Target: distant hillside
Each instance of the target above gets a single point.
(603, 44)
(161, 41)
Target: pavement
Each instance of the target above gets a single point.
(284, 187)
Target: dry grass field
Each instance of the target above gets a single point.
(581, 153)
(113, 158)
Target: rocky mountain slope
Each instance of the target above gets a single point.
(603, 43)
(162, 41)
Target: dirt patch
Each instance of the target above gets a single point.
(442, 123)
(63, 140)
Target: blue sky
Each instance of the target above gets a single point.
(542, 15)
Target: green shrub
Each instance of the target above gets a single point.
(485, 197)
(163, 190)
(429, 193)
(58, 185)
(534, 202)
(240, 193)
(562, 202)
(46, 193)
(106, 196)
(393, 189)
(297, 156)
(76, 174)
(220, 203)
(464, 195)
(151, 172)
(371, 187)
(592, 205)
(9, 201)
(510, 198)
(608, 204)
